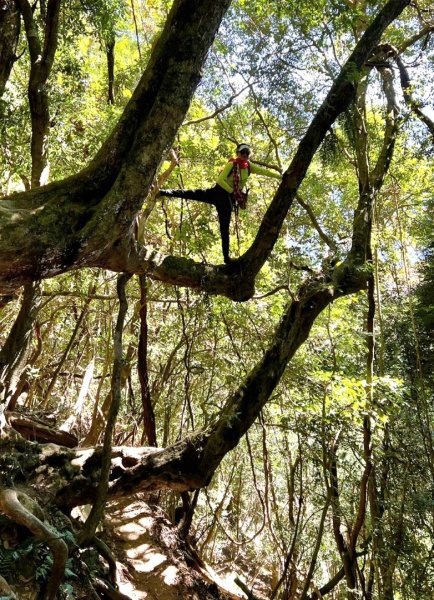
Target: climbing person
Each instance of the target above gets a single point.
(227, 194)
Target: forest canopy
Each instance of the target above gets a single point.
(277, 408)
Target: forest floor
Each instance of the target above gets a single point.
(153, 563)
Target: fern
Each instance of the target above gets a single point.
(329, 149)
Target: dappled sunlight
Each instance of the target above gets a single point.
(169, 575)
(210, 391)
(152, 557)
(131, 530)
(146, 558)
(129, 589)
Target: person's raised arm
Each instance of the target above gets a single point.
(257, 170)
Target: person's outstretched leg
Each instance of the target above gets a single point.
(199, 195)
(219, 198)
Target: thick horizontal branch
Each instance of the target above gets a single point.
(71, 223)
(73, 475)
(225, 280)
(35, 429)
(84, 220)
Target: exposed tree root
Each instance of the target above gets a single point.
(14, 504)
(34, 429)
(106, 553)
(5, 589)
(245, 589)
(109, 591)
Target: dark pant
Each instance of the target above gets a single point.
(216, 196)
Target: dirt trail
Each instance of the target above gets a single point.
(153, 563)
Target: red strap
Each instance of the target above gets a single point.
(242, 162)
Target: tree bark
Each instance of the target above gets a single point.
(190, 463)
(36, 430)
(72, 476)
(97, 511)
(9, 35)
(110, 53)
(15, 351)
(11, 505)
(142, 367)
(87, 219)
(41, 63)
(87, 216)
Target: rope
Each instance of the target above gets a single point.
(237, 230)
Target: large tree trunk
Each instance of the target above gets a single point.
(86, 215)
(87, 220)
(72, 476)
(9, 34)
(13, 358)
(191, 463)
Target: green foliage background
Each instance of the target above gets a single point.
(266, 499)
